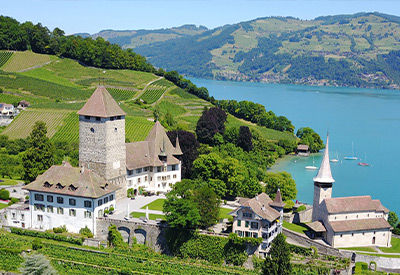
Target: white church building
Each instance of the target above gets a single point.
(75, 197)
(346, 221)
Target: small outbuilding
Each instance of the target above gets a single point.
(303, 150)
(23, 104)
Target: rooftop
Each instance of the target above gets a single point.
(358, 225)
(353, 204)
(260, 205)
(101, 104)
(68, 180)
(324, 174)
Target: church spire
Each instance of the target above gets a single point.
(324, 173)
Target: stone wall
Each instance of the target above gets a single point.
(151, 234)
(381, 262)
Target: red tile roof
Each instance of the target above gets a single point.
(260, 206)
(351, 204)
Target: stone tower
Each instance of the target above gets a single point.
(322, 183)
(102, 138)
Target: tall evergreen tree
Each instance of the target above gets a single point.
(37, 264)
(278, 260)
(39, 155)
(244, 139)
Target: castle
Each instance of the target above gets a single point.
(346, 221)
(76, 197)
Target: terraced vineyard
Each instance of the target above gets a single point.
(24, 60)
(69, 130)
(22, 125)
(121, 94)
(4, 56)
(137, 128)
(153, 93)
(163, 82)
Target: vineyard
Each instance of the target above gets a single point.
(163, 82)
(38, 87)
(153, 93)
(69, 130)
(22, 125)
(67, 259)
(137, 128)
(4, 56)
(121, 94)
(24, 60)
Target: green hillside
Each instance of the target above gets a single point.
(58, 89)
(361, 50)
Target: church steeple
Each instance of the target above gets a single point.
(324, 173)
(322, 183)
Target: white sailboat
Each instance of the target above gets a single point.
(352, 157)
(312, 167)
(336, 159)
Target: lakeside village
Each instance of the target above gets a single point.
(94, 196)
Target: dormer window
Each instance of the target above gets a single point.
(104, 186)
(59, 186)
(47, 184)
(72, 188)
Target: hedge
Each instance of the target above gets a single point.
(305, 251)
(46, 235)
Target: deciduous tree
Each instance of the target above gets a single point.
(282, 180)
(277, 261)
(393, 219)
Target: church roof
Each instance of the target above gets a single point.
(68, 180)
(178, 151)
(352, 204)
(278, 200)
(324, 174)
(359, 224)
(146, 153)
(101, 104)
(317, 226)
(380, 207)
(260, 206)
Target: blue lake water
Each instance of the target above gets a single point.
(367, 117)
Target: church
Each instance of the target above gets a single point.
(108, 167)
(346, 221)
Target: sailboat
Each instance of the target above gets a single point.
(312, 167)
(336, 159)
(352, 157)
(364, 163)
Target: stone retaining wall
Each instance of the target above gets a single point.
(381, 262)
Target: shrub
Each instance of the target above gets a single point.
(106, 212)
(46, 235)
(114, 237)
(301, 208)
(37, 244)
(130, 193)
(86, 232)
(300, 250)
(27, 198)
(60, 229)
(288, 206)
(315, 252)
(111, 209)
(4, 194)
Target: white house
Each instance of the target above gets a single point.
(65, 195)
(259, 217)
(154, 163)
(6, 110)
(346, 221)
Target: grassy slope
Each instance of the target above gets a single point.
(24, 60)
(395, 246)
(75, 83)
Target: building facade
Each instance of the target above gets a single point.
(259, 217)
(65, 195)
(346, 221)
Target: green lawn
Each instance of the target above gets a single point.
(366, 249)
(151, 216)
(395, 246)
(223, 213)
(155, 205)
(3, 205)
(295, 227)
(4, 181)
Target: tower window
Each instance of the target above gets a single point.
(112, 118)
(98, 118)
(118, 117)
(87, 117)
(92, 130)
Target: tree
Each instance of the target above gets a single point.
(189, 146)
(208, 204)
(114, 237)
(181, 212)
(278, 260)
(282, 180)
(39, 155)
(212, 121)
(245, 139)
(4, 194)
(310, 138)
(37, 264)
(393, 219)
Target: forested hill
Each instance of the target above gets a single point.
(361, 50)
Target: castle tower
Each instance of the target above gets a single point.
(102, 137)
(278, 205)
(322, 183)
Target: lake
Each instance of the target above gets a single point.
(368, 118)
